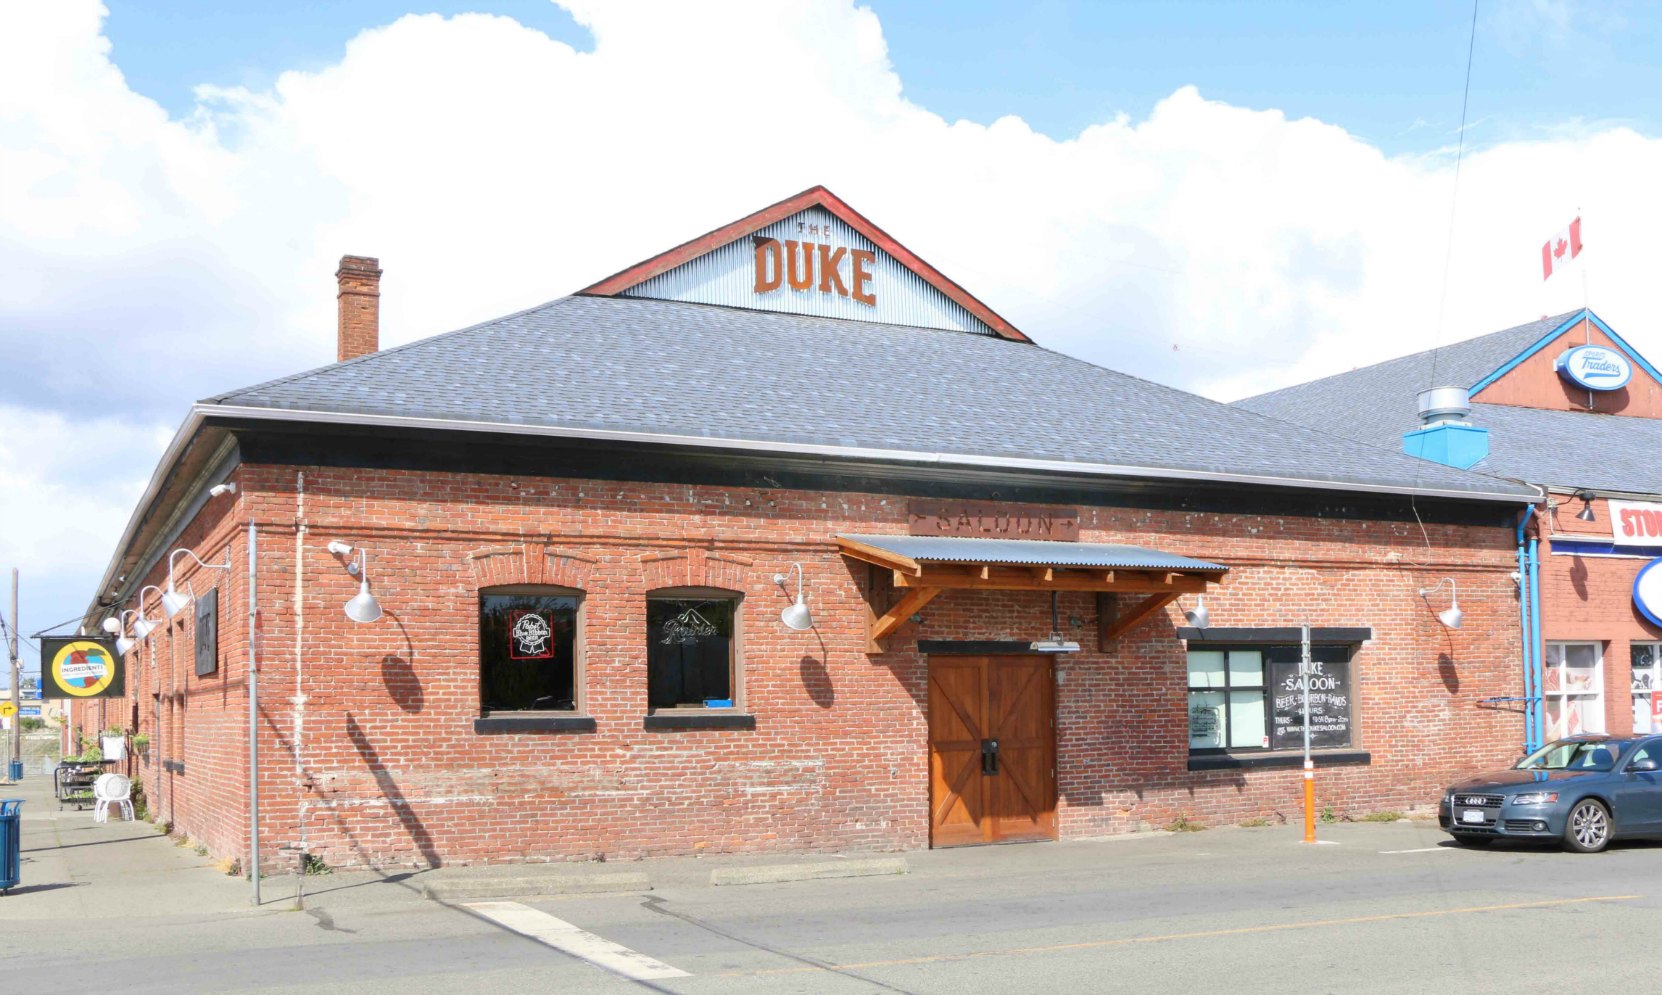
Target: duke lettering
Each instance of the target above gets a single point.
(795, 263)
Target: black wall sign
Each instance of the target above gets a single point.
(207, 632)
(1330, 704)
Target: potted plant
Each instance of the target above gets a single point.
(141, 745)
(114, 743)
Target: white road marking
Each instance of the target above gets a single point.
(1423, 849)
(566, 938)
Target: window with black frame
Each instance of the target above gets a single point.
(528, 650)
(1252, 698)
(691, 651)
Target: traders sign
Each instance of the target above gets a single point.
(1595, 368)
(80, 667)
(1635, 523)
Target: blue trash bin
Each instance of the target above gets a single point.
(11, 842)
(16, 770)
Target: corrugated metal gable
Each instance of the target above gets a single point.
(727, 276)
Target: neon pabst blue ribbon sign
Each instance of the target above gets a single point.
(1595, 367)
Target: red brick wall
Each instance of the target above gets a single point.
(1590, 599)
(1534, 383)
(370, 754)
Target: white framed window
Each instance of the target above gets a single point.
(1647, 687)
(1574, 688)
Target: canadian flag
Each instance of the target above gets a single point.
(1560, 249)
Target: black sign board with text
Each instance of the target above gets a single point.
(207, 632)
(1331, 700)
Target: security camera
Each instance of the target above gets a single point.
(218, 489)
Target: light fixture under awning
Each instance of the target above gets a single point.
(925, 566)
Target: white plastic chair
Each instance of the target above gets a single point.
(112, 789)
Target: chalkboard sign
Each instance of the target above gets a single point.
(207, 632)
(1330, 704)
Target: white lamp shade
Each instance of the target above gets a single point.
(172, 601)
(363, 607)
(142, 627)
(1452, 616)
(1200, 618)
(123, 644)
(797, 616)
(112, 625)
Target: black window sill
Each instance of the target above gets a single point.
(1245, 761)
(533, 723)
(693, 719)
(176, 766)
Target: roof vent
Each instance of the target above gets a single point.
(1440, 404)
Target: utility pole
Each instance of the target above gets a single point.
(16, 772)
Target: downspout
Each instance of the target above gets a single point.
(1538, 703)
(1523, 634)
(299, 700)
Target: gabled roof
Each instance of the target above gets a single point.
(1376, 404)
(646, 370)
(817, 196)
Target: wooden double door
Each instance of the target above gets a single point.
(992, 749)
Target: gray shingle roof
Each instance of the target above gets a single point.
(1031, 552)
(1377, 404)
(664, 367)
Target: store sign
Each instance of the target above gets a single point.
(80, 667)
(1329, 706)
(1595, 367)
(1647, 591)
(1635, 523)
(990, 519)
(804, 265)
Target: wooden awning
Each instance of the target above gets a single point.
(925, 566)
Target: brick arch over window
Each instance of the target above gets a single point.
(530, 563)
(696, 567)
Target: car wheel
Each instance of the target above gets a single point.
(1468, 839)
(1588, 828)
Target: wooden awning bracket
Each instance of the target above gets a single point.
(909, 604)
(1138, 614)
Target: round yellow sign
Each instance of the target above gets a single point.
(7, 709)
(83, 668)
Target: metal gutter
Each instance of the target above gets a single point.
(200, 412)
(841, 452)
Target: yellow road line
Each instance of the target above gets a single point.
(1169, 937)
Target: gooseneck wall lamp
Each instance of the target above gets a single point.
(363, 607)
(1198, 616)
(172, 601)
(142, 626)
(797, 615)
(1586, 512)
(116, 626)
(1452, 615)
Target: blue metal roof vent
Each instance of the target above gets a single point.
(1444, 435)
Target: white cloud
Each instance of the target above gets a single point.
(491, 168)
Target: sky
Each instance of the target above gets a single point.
(1226, 197)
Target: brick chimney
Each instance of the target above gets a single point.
(359, 280)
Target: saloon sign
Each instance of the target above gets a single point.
(1595, 368)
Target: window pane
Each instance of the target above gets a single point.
(1581, 670)
(1246, 719)
(1206, 668)
(689, 652)
(1645, 715)
(527, 652)
(1246, 669)
(1205, 720)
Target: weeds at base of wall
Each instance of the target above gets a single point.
(230, 867)
(313, 866)
(1184, 824)
(1328, 817)
(1382, 817)
(1258, 822)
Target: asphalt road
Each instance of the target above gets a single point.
(1380, 908)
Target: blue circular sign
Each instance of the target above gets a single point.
(1595, 367)
(1647, 591)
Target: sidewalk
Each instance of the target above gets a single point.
(74, 868)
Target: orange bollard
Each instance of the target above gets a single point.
(1309, 802)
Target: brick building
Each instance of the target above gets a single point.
(778, 540)
(1567, 404)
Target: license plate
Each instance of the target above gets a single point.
(1471, 815)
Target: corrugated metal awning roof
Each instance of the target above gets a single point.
(1031, 553)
